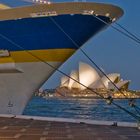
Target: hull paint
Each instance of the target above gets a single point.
(42, 38)
(27, 40)
(23, 73)
(49, 55)
(43, 33)
(17, 88)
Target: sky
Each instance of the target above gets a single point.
(110, 50)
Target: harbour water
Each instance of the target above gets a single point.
(94, 109)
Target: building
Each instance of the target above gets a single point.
(80, 81)
(87, 76)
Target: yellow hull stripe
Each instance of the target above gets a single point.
(2, 6)
(52, 55)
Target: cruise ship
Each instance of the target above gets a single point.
(36, 38)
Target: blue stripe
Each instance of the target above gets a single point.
(42, 33)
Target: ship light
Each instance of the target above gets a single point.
(107, 14)
(114, 19)
(91, 11)
(48, 2)
(88, 12)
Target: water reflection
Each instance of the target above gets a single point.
(79, 108)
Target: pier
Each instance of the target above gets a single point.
(31, 128)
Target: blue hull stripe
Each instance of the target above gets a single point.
(42, 33)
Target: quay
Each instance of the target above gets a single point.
(42, 128)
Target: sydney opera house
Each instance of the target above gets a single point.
(86, 77)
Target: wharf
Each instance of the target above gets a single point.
(27, 128)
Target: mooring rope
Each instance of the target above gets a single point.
(101, 96)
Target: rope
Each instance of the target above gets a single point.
(91, 60)
(118, 30)
(87, 56)
(127, 31)
(130, 36)
(101, 96)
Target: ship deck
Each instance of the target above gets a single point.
(29, 129)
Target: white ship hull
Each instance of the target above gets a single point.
(17, 88)
(52, 33)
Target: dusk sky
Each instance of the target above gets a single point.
(112, 51)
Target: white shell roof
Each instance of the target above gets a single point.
(76, 85)
(74, 75)
(120, 84)
(97, 84)
(87, 75)
(64, 81)
(112, 77)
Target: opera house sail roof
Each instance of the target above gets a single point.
(74, 75)
(64, 81)
(89, 77)
(123, 84)
(97, 84)
(114, 77)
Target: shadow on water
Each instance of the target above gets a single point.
(94, 109)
